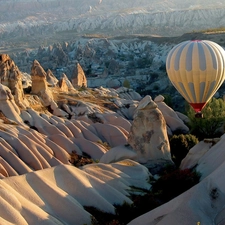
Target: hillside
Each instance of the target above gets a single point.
(32, 23)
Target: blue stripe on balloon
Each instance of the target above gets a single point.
(211, 88)
(185, 95)
(189, 56)
(202, 58)
(213, 57)
(170, 54)
(202, 88)
(192, 89)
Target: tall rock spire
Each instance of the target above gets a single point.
(38, 76)
(78, 77)
(11, 77)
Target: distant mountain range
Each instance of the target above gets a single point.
(32, 22)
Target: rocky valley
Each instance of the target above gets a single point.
(137, 60)
(91, 129)
(113, 42)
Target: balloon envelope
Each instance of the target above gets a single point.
(197, 70)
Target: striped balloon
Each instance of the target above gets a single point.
(197, 70)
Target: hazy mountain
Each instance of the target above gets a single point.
(35, 20)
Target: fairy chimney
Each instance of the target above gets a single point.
(11, 77)
(78, 77)
(51, 79)
(63, 84)
(38, 77)
(148, 134)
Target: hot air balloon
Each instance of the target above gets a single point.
(197, 70)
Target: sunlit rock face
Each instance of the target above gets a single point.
(11, 77)
(78, 77)
(38, 76)
(148, 135)
(51, 79)
(8, 106)
(173, 121)
(63, 85)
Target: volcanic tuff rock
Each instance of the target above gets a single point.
(8, 106)
(202, 204)
(40, 87)
(173, 121)
(40, 154)
(101, 186)
(68, 83)
(63, 85)
(78, 78)
(148, 134)
(51, 79)
(11, 77)
(140, 60)
(38, 75)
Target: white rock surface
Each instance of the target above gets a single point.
(172, 119)
(148, 135)
(49, 197)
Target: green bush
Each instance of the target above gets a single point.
(168, 100)
(180, 146)
(175, 183)
(212, 123)
(126, 83)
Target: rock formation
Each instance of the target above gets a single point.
(35, 163)
(148, 135)
(63, 85)
(11, 77)
(78, 78)
(48, 196)
(173, 121)
(40, 87)
(64, 79)
(51, 79)
(38, 76)
(202, 204)
(8, 106)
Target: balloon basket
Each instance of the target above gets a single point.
(198, 115)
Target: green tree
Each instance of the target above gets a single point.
(212, 123)
(168, 100)
(126, 83)
(180, 146)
